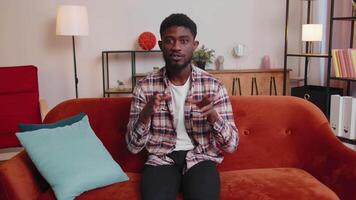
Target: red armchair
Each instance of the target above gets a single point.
(19, 101)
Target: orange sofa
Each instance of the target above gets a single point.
(286, 151)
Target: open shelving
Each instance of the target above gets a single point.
(105, 70)
(327, 56)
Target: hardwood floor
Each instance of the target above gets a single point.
(7, 153)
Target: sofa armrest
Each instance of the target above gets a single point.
(20, 180)
(43, 108)
(333, 163)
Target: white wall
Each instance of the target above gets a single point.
(27, 36)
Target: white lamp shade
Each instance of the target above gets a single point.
(312, 32)
(72, 20)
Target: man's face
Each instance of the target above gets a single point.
(177, 46)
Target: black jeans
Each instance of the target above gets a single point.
(202, 181)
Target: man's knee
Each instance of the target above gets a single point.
(202, 181)
(160, 183)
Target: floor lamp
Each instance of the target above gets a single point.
(72, 20)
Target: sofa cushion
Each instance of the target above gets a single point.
(273, 183)
(251, 184)
(108, 118)
(71, 158)
(64, 122)
(125, 190)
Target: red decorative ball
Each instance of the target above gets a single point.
(147, 40)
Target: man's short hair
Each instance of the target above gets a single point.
(178, 19)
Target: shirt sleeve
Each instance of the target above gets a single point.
(137, 133)
(225, 131)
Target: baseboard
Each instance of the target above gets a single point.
(7, 153)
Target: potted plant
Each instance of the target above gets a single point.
(203, 56)
(120, 85)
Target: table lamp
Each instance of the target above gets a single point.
(312, 33)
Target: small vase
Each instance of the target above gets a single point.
(201, 64)
(266, 62)
(219, 62)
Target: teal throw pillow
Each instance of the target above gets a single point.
(71, 158)
(63, 122)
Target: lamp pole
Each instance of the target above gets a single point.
(75, 68)
(307, 48)
(72, 20)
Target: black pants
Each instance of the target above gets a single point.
(202, 181)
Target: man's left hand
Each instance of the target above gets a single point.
(206, 106)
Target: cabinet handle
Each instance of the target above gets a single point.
(233, 86)
(236, 81)
(254, 83)
(307, 96)
(272, 84)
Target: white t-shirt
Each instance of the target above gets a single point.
(179, 94)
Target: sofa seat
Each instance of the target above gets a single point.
(250, 184)
(273, 183)
(124, 190)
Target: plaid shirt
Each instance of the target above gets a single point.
(159, 136)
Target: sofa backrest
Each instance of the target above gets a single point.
(277, 131)
(268, 126)
(19, 101)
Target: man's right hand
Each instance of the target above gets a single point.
(152, 107)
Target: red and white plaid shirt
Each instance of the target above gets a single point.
(159, 137)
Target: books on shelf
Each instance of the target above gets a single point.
(353, 59)
(343, 116)
(344, 62)
(336, 64)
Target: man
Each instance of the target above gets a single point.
(183, 117)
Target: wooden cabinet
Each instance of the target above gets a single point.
(250, 81)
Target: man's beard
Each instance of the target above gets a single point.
(176, 67)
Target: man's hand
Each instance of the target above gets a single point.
(152, 107)
(206, 106)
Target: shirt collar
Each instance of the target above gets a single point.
(193, 75)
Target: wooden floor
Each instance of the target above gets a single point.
(7, 153)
